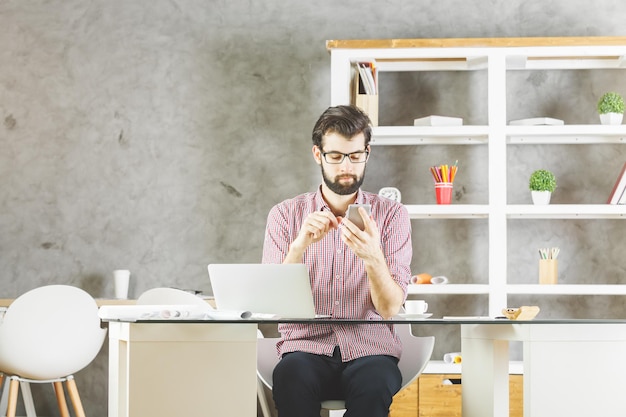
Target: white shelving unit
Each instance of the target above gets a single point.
(497, 57)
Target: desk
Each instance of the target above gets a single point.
(572, 368)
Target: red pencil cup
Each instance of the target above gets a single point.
(443, 191)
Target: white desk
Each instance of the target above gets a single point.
(182, 369)
(571, 368)
(191, 368)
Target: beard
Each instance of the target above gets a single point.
(343, 189)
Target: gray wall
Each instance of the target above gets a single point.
(155, 136)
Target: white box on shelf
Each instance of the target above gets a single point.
(438, 121)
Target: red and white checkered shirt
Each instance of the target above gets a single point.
(338, 277)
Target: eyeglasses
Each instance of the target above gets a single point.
(357, 157)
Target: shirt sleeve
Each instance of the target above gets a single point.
(397, 246)
(277, 237)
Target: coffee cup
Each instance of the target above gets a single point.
(415, 306)
(440, 280)
(120, 283)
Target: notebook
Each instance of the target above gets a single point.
(283, 290)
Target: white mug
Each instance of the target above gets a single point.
(415, 306)
(121, 280)
(440, 280)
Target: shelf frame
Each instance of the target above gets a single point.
(496, 57)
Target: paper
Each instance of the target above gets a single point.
(536, 121)
(168, 312)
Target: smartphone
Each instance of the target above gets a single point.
(354, 215)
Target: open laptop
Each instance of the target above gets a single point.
(283, 290)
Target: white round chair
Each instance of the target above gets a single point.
(416, 352)
(47, 335)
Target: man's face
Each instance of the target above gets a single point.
(346, 177)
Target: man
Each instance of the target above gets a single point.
(355, 274)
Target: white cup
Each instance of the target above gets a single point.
(415, 306)
(121, 281)
(440, 280)
(452, 357)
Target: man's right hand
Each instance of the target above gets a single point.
(315, 227)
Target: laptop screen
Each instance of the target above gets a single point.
(283, 290)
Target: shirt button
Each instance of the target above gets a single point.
(338, 250)
(337, 277)
(336, 303)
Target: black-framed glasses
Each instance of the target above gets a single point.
(357, 157)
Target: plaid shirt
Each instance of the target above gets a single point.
(338, 277)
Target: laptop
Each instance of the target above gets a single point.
(282, 290)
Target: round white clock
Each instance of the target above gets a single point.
(391, 193)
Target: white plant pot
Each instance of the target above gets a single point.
(611, 118)
(541, 198)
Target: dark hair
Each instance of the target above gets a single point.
(348, 121)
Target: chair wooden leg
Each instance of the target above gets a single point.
(74, 397)
(60, 394)
(14, 389)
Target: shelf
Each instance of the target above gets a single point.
(440, 367)
(564, 289)
(448, 211)
(566, 134)
(519, 289)
(567, 211)
(518, 211)
(429, 135)
(495, 61)
(448, 289)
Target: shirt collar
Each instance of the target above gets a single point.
(321, 205)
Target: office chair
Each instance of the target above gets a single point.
(46, 336)
(416, 352)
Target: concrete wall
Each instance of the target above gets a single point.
(155, 135)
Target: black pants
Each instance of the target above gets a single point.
(303, 380)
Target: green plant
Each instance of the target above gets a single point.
(611, 103)
(542, 180)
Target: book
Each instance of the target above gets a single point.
(622, 199)
(366, 78)
(438, 121)
(536, 121)
(617, 194)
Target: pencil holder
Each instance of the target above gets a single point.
(443, 192)
(548, 271)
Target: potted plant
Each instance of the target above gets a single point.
(542, 184)
(611, 109)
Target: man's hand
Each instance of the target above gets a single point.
(364, 243)
(315, 227)
(387, 296)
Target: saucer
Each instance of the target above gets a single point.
(415, 316)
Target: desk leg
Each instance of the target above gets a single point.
(485, 376)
